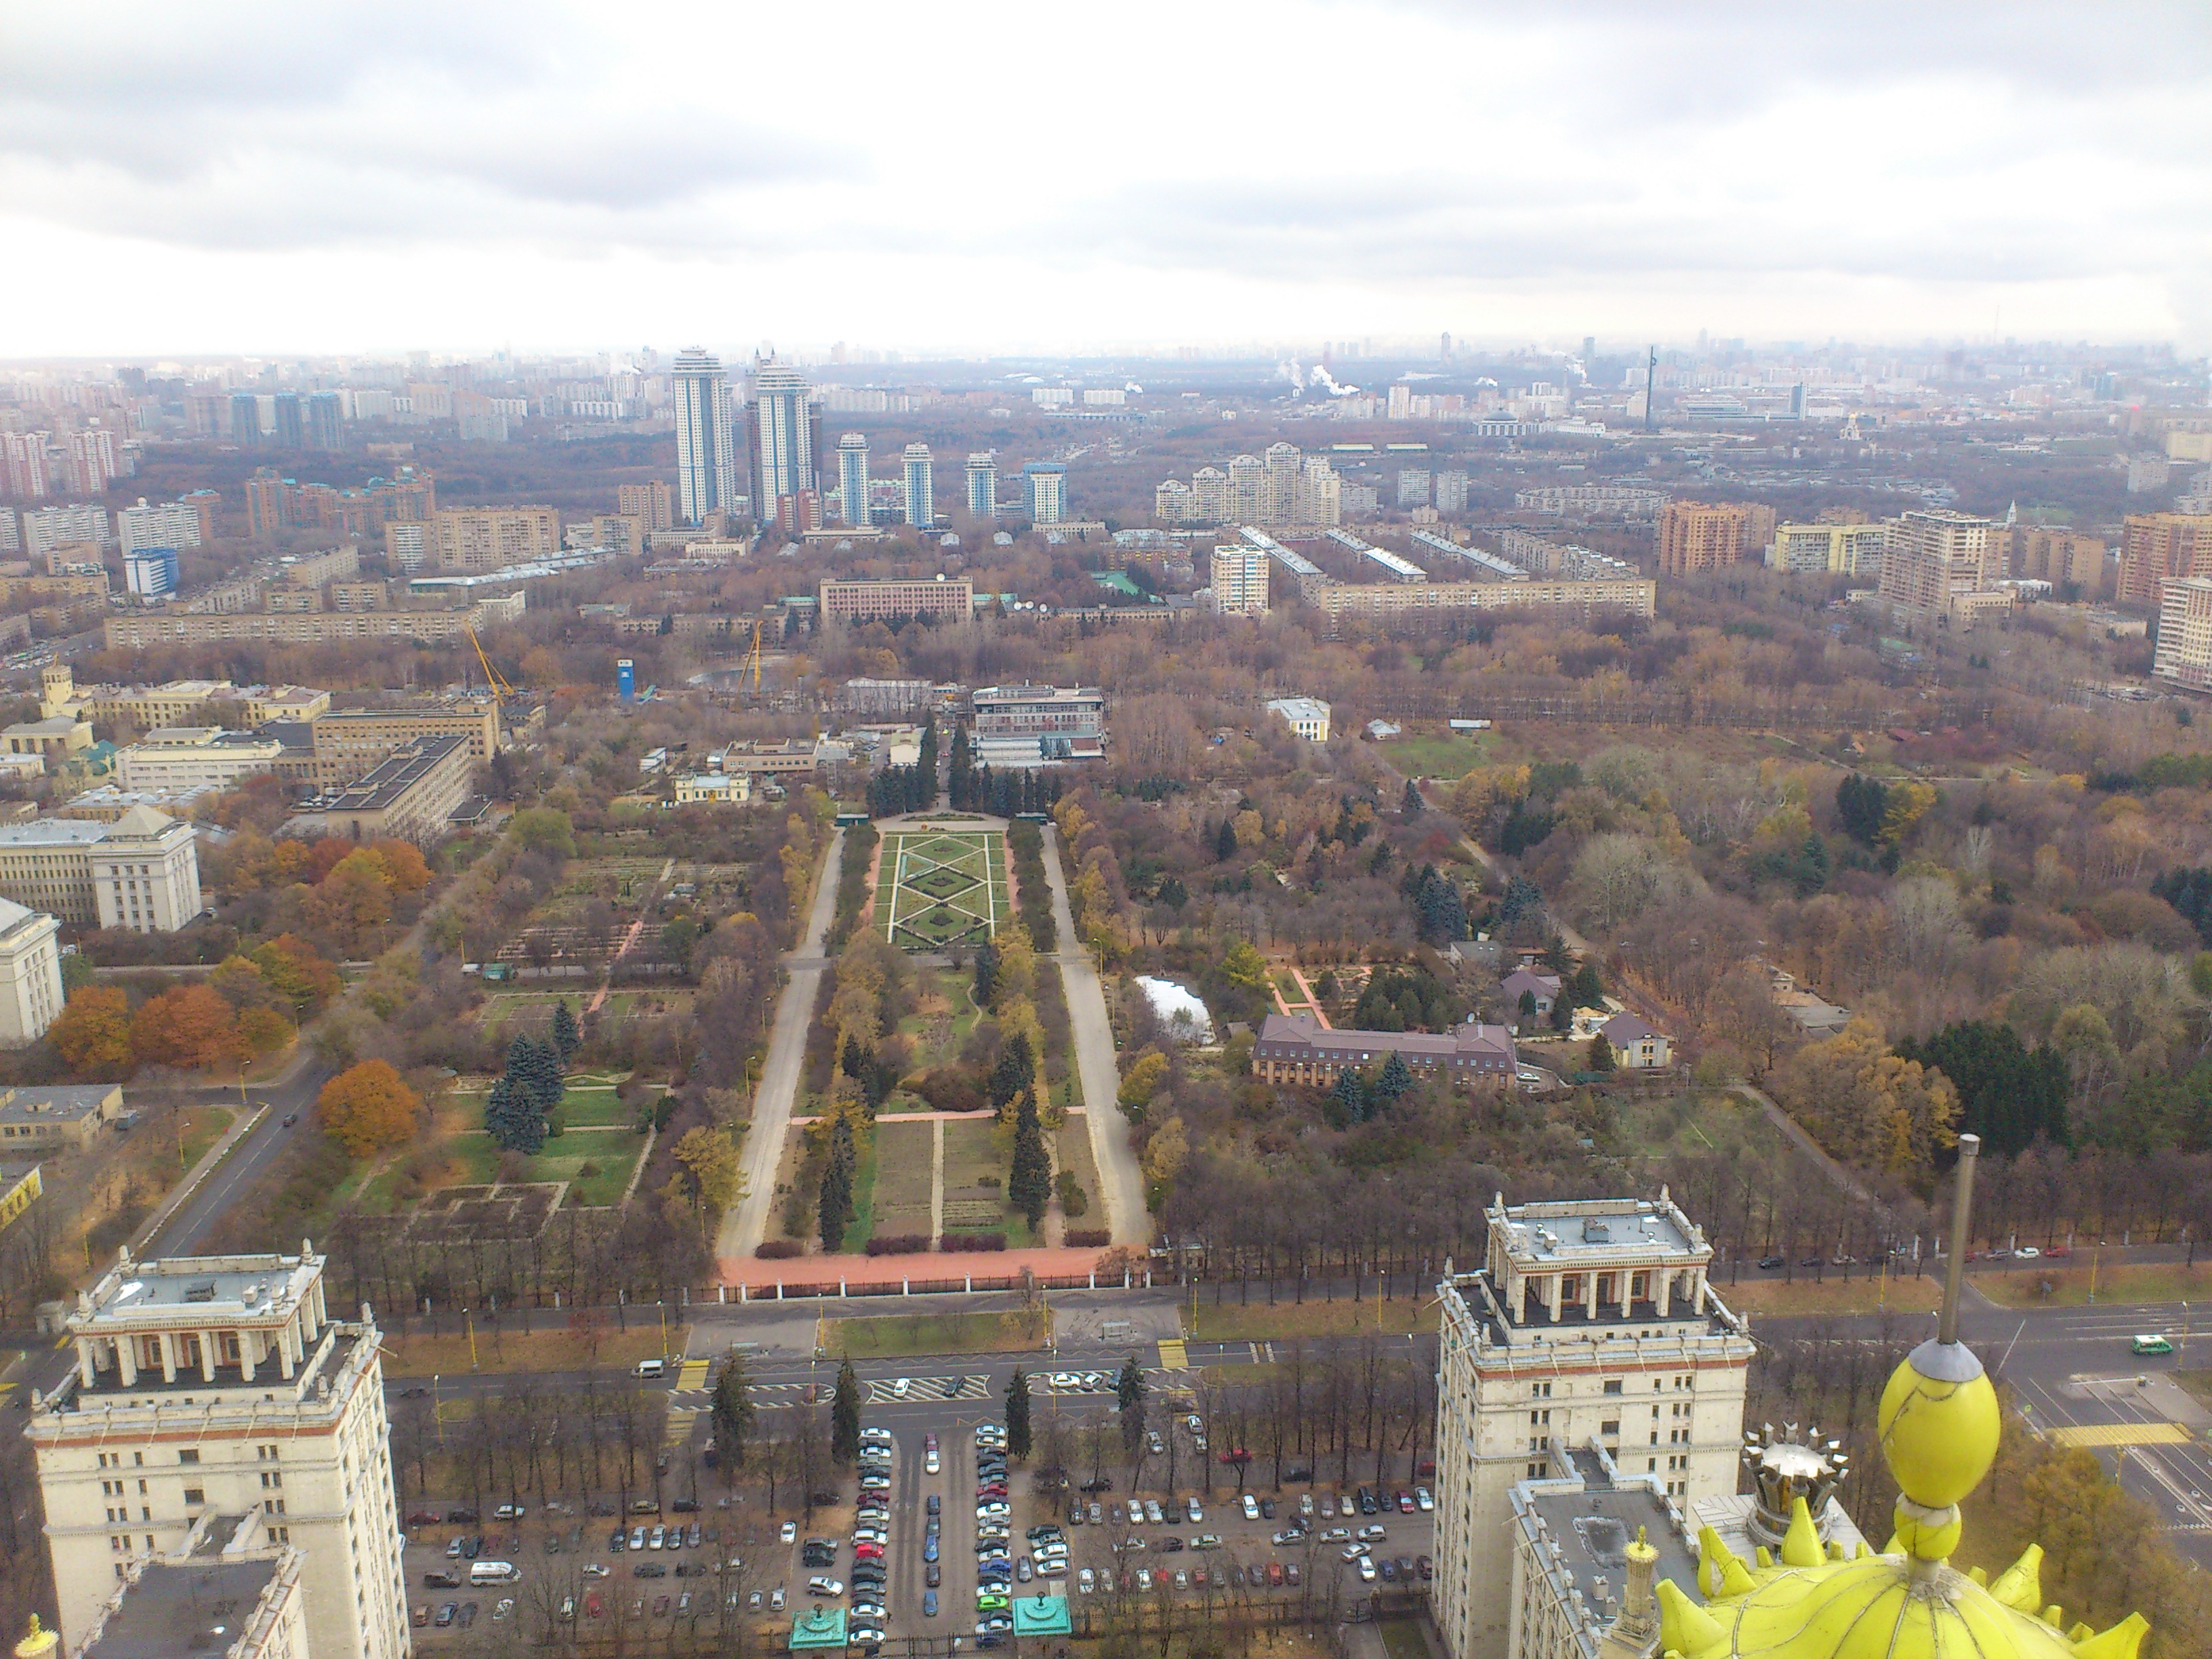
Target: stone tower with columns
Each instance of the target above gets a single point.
(215, 1386)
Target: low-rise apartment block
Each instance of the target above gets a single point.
(1298, 1048)
(947, 598)
(143, 631)
(1389, 602)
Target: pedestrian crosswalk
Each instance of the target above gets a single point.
(692, 1374)
(2121, 1434)
(903, 1390)
(680, 1419)
(1174, 1356)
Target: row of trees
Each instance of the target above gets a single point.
(249, 1007)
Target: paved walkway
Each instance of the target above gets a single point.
(1122, 1183)
(936, 1174)
(745, 1223)
(814, 1272)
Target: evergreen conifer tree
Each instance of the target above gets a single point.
(1600, 1054)
(1351, 1095)
(566, 1036)
(834, 1211)
(1018, 1414)
(845, 1415)
(1396, 1078)
(1029, 1183)
(1224, 844)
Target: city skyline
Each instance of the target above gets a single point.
(276, 185)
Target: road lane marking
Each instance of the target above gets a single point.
(692, 1374)
(2121, 1434)
(680, 1419)
(1174, 1356)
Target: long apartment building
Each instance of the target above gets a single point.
(143, 629)
(175, 703)
(952, 598)
(1386, 603)
(141, 872)
(1297, 1048)
(220, 1386)
(490, 537)
(2183, 657)
(1836, 550)
(1940, 567)
(1590, 1332)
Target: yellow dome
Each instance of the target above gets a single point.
(1877, 1607)
(1939, 1422)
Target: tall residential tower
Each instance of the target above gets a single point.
(920, 490)
(852, 477)
(786, 429)
(706, 465)
(983, 484)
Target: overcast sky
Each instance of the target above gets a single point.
(355, 177)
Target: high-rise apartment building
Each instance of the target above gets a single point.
(47, 528)
(1590, 1324)
(245, 420)
(1240, 579)
(1287, 488)
(91, 462)
(1939, 566)
(489, 538)
(287, 429)
(2156, 548)
(23, 475)
(1697, 536)
(1413, 487)
(920, 490)
(1044, 491)
(221, 1386)
(171, 525)
(706, 461)
(852, 477)
(325, 421)
(983, 484)
(2185, 633)
(784, 424)
(651, 502)
(1451, 492)
(2079, 566)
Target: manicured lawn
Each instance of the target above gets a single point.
(583, 1105)
(894, 1336)
(609, 1349)
(1258, 1322)
(939, 887)
(1768, 1293)
(2020, 1283)
(1072, 1151)
(1440, 756)
(204, 1125)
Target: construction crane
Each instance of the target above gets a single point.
(492, 676)
(752, 664)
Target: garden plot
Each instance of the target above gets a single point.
(939, 887)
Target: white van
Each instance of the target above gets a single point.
(649, 1368)
(492, 1573)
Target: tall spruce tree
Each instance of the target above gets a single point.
(566, 1038)
(835, 1211)
(1015, 1071)
(513, 1118)
(1029, 1183)
(733, 1416)
(1129, 1394)
(845, 1415)
(1018, 1415)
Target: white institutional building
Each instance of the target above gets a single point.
(141, 872)
(220, 1386)
(30, 975)
(1589, 1350)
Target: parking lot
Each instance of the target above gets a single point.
(931, 1535)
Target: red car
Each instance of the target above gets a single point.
(867, 1551)
(593, 1606)
(1405, 1503)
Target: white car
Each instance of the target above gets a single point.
(1192, 1510)
(1367, 1569)
(1136, 1513)
(901, 1386)
(1355, 1552)
(1086, 1581)
(1065, 1380)
(870, 1610)
(1251, 1507)
(929, 1463)
(825, 1587)
(789, 1532)
(1423, 1500)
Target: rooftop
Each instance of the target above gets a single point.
(205, 1603)
(216, 1288)
(1590, 1520)
(42, 833)
(1594, 1232)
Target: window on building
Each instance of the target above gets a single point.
(195, 1495)
(1611, 1428)
(1613, 1385)
(192, 1456)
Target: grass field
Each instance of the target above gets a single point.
(1072, 1151)
(941, 887)
(894, 1336)
(1699, 1123)
(532, 1351)
(2021, 1286)
(1442, 756)
(1768, 1293)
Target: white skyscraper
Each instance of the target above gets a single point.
(852, 477)
(785, 460)
(983, 484)
(921, 489)
(706, 464)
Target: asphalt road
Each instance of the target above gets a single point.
(746, 1223)
(184, 1231)
(1122, 1181)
